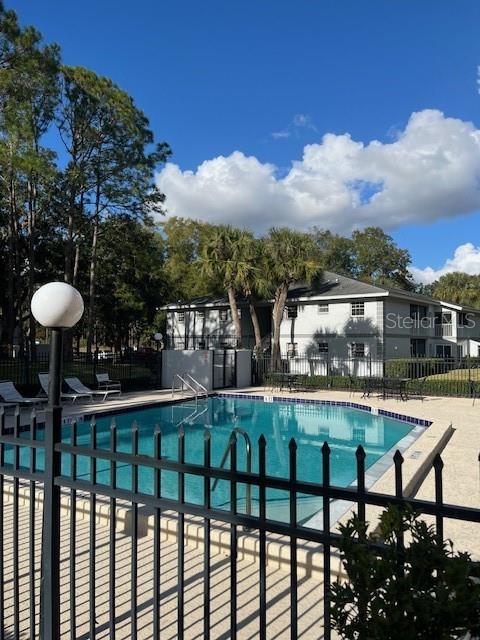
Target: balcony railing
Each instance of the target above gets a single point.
(443, 330)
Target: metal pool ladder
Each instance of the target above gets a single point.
(198, 390)
(248, 449)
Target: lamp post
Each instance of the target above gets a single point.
(158, 337)
(56, 306)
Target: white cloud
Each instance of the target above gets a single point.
(466, 258)
(299, 121)
(430, 171)
(278, 135)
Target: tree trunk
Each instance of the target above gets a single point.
(13, 283)
(69, 248)
(91, 302)
(235, 317)
(278, 309)
(256, 326)
(32, 220)
(76, 265)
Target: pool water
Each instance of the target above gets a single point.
(310, 424)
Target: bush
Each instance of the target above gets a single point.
(417, 367)
(425, 590)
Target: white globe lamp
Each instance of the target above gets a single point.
(57, 305)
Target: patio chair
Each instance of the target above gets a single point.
(44, 379)
(10, 394)
(299, 382)
(417, 391)
(104, 382)
(78, 387)
(352, 385)
(474, 390)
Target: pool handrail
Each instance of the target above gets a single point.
(199, 384)
(181, 389)
(248, 448)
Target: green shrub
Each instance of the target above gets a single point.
(416, 367)
(431, 594)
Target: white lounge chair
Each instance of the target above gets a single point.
(78, 387)
(104, 382)
(10, 394)
(44, 379)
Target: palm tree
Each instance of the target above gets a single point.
(222, 258)
(290, 256)
(250, 281)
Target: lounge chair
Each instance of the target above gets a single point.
(105, 384)
(10, 394)
(44, 380)
(78, 387)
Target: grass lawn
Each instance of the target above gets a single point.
(457, 374)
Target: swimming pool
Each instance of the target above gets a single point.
(310, 424)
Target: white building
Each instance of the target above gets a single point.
(338, 318)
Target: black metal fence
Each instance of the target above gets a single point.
(134, 370)
(218, 341)
(438, 376)
(104, 580)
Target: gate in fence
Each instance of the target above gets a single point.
(224, 368)
(118, 525)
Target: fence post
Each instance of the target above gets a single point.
(50, 578)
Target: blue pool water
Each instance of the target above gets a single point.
(310, 424)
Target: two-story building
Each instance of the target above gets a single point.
(341, 317)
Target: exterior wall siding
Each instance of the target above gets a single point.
(385, 328)
(338, 328)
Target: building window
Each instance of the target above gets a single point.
(181, 316)
(418, 311)
(358, 308)
(323, 347)
(292, 349)
(200, 315)
(323, 308)
(358, 349)
(223, 314)
(291, 312)
(418, 347)
(443, 351)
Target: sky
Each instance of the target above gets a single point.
(333, 113)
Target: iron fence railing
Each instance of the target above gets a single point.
(459, 376)
(135, 371)
(208, 342)
(81, 575)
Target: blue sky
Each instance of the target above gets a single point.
(267, 77)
